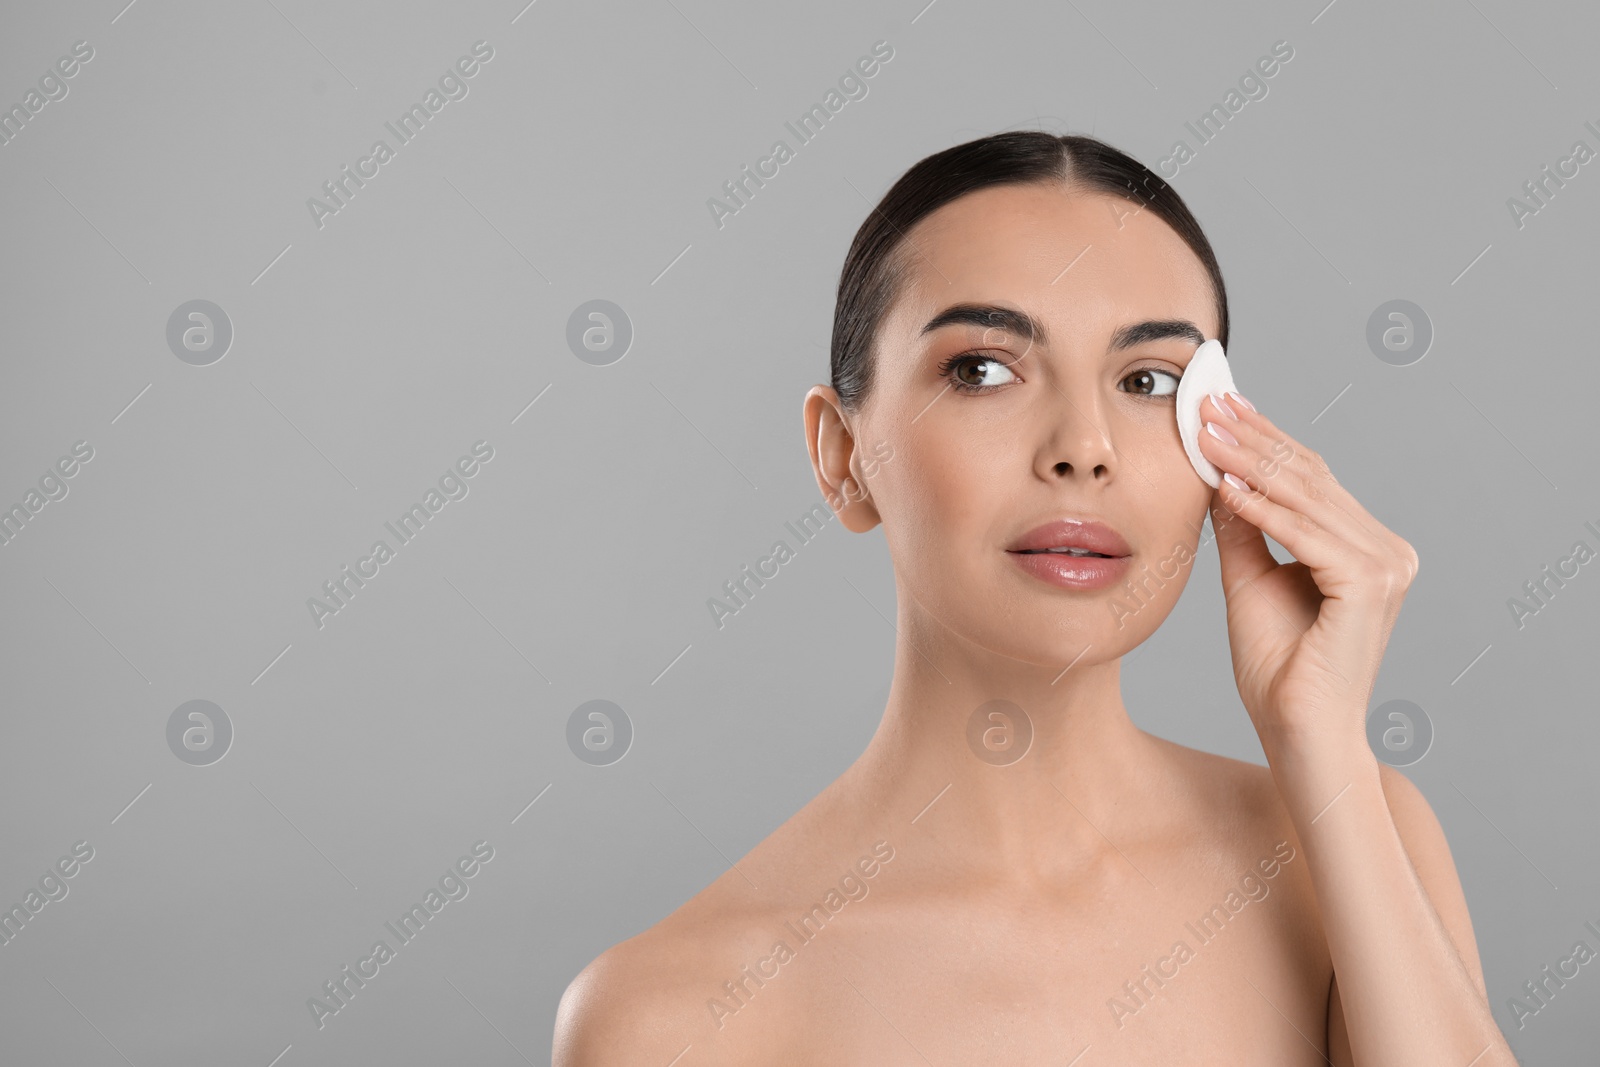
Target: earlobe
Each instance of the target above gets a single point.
(855, 509)
(832, 447)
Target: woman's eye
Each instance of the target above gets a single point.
(971, 372)
(1147, 383)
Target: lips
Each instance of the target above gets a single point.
(1074, 538)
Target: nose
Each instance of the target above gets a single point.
(1078, 446)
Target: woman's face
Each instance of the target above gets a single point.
(1077, 423)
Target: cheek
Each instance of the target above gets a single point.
(944, 497)
(1154, 458)
(1162, 486)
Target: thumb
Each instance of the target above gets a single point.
(1241, 546)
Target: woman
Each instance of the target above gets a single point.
(1012, 872)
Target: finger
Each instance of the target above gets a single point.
(1318, 479)
(1311, 463)
(1287, 471)
(1310, 543)
(1241, 546)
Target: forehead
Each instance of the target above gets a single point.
(1083, 262)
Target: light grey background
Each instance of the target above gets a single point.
(369, 354)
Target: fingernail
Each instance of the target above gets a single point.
(1237, 483)
(1220, 434)
(1243, 401)
(1222, 406)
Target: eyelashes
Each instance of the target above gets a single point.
(949, 371)
(1157, 370)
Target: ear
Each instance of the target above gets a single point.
(836, 462)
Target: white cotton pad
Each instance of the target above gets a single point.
(1206, 373)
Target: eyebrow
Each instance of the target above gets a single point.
(1032, 330)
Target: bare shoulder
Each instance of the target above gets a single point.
(1232, 811)
(651, 997)
(610, 1011)
(1241, 794)
(627, 1005)
(646, 999)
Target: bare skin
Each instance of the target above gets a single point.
(1032, 911)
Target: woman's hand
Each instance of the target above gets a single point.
(1307, 639)
(1307, 636)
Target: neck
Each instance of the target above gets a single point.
(1018, 772)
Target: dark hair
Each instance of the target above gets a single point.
(873, 271)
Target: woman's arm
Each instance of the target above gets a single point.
(1307, 639)
(1408, 986)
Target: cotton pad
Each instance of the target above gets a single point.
(1206, 373)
